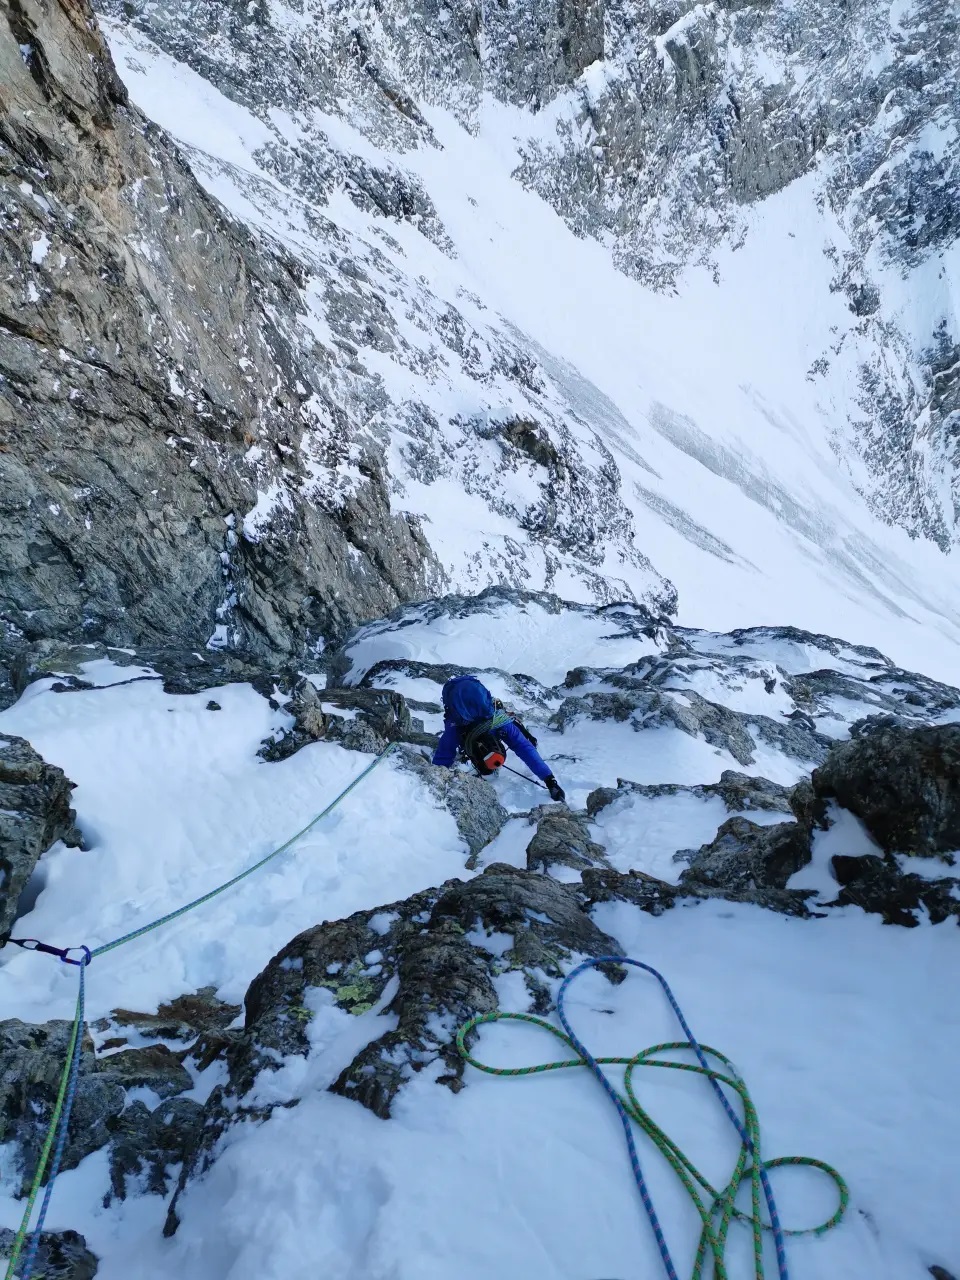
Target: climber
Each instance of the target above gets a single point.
(482, 730)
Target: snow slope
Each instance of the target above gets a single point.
(838, 1024)
(703, 449)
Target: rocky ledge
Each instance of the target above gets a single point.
(34, 814)
(427, 963)
(419, 967)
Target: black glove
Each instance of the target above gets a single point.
(556, 791)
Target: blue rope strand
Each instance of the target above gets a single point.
(31, 944)
(30, 1254)
(776, 1228)
(611, 1092)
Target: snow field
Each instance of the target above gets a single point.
(507, 639)
(644, 832)
(515, 1178)
(173, 801)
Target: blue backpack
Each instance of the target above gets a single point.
(466, 701)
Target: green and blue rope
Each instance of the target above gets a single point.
(716, 1208)
(56, 1136)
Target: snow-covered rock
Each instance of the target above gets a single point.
(161, 404)
(35, 813)
(61, 1255)
(429, 896)
(903, 783)
(785, 176)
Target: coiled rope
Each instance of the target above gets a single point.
(716, 1208)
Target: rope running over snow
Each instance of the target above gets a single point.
(60, 1119)
(716, 1208)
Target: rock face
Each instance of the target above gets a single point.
(652, 129)
(699, 111)
(169, 450)
(34, 813)
(182, 462)
(145, 1142)
(62, 1255)
(879, 885)
(562, 839)
(903, 783)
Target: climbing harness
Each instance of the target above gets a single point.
(716, 1208)
(481, 744)
(52, 1150)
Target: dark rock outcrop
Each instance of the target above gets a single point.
(34, 813)
(744, 791)
(901, 897)
(644, 707)
(148, 1146)
(641, 701)
(435, 946)
(888, 690)
(562, 840)
(62, 1255)
(656, 896)
(738, 791)
(744, 856)
(182, 1019)
(358, 719)
(140, 1139)
(644, 891)
(902, 782)
(809, 809)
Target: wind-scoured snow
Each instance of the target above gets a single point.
(505, 637)
(662, 826)
(173, 801)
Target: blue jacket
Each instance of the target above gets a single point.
(446, 752)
